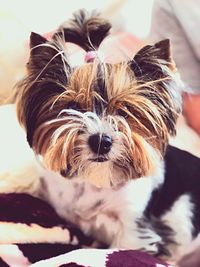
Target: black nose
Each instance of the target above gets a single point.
(100, 144)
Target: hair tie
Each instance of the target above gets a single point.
(91, 55)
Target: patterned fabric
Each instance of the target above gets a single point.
(32, 234)
(102, 258)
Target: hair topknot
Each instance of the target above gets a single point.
(86, 29)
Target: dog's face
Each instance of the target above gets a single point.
(105, 122)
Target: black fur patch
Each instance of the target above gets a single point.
(182, 176)
(100, 87)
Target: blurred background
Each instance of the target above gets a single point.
(130, 18)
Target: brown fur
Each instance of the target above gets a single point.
(143, 91)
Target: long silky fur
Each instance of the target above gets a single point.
(141, 105)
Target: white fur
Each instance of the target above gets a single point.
(113, 220)
(179, 218)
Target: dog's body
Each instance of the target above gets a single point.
(109, 125)
(158, 214)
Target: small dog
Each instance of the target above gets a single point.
(101, 131)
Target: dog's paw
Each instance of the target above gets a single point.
(130, 238)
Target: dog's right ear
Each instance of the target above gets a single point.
(153, 61)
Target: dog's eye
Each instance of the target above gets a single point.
(63, 173)
(74, 105)
(122, 112)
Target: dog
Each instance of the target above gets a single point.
(100, 132)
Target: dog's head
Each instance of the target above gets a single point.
(105, 122)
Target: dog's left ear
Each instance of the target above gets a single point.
(48, 75)
(151, 62)
(36, 39)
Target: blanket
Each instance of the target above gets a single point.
(32, 234)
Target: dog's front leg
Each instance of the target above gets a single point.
(82, 204)
(108, 215)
